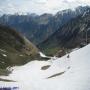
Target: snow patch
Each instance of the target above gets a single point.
(76, 74)
(4, 55)
(42, 55)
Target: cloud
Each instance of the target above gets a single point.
(39, 6)
(40, 1)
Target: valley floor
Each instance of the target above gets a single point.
(64, 73)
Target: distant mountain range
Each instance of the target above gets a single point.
(74, 34)
(66, 29)
(38, 28)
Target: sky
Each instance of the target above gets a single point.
(39, 6)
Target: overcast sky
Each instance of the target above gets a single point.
(39, 6)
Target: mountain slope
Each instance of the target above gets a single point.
(38, 28)
(14, 48)
(69, 36)
(64, 73)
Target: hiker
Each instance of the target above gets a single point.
(68, 62)
(68, 56)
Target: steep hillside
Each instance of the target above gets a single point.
(14, 48)
(38, 28)
(69, 36)
(61, 74)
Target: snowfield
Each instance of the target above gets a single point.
(62, 74)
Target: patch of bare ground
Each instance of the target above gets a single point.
(55, 75)
(45, 67)
(6, 80)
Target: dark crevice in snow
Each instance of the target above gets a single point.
(55, 75)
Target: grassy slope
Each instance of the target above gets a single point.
(14, 49)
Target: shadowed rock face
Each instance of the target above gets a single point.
(14, 48)
(39, 28)
(69, 36)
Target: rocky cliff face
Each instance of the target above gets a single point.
(74, 34)
(38, 28)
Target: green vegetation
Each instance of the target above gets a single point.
(14, 49)
(51, 51)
